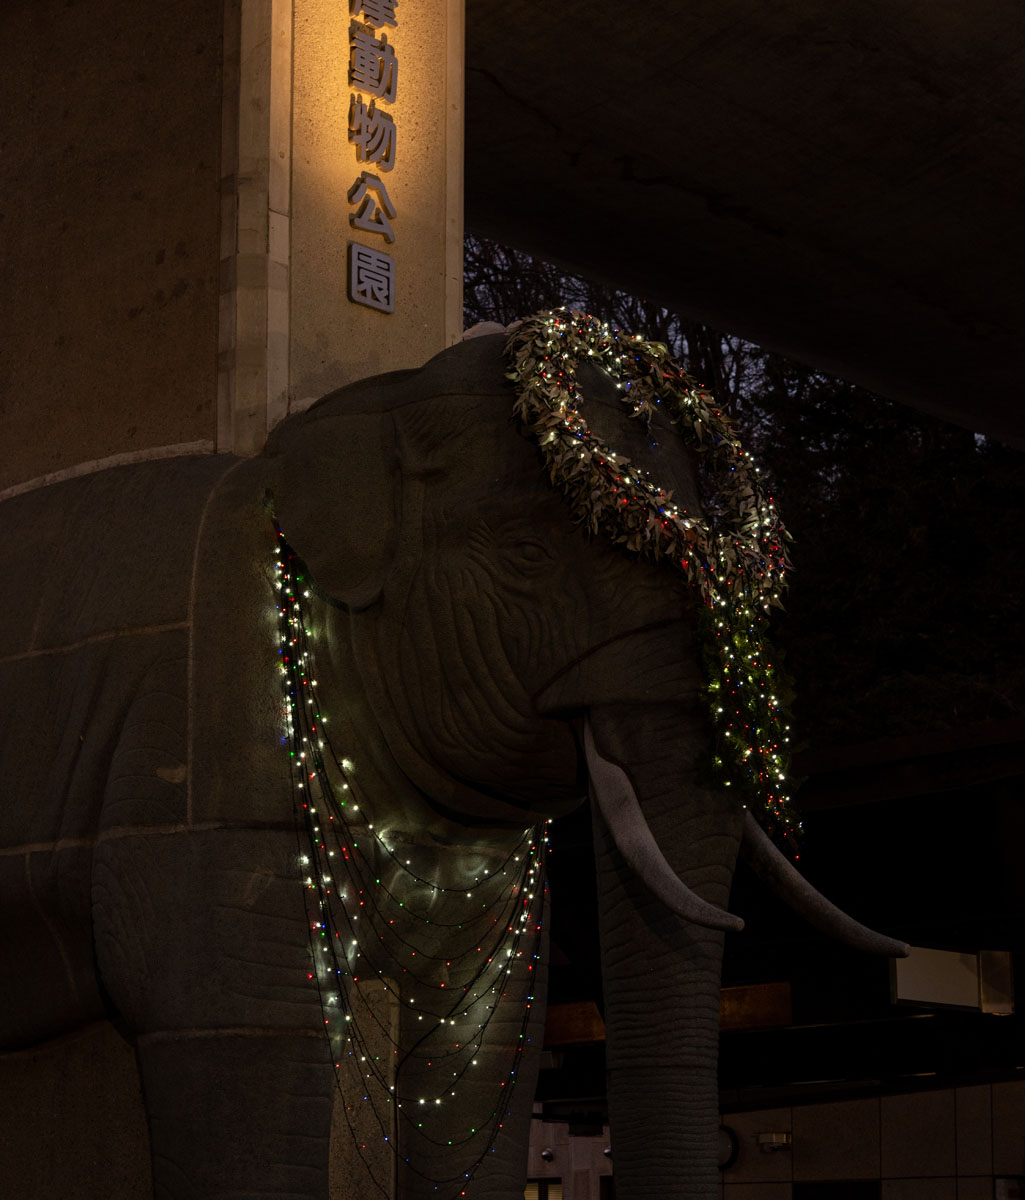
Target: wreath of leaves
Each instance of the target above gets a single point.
(734, 551)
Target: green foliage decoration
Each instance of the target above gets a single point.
(734, 551)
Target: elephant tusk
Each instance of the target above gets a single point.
(618, 804)
(781, 877)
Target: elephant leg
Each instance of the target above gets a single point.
(503, 1173)
(496, 1157)
(47, 972)
(202, 945)
(235, 1114)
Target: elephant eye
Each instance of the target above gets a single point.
(532, 551)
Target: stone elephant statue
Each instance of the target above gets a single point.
(480, 664)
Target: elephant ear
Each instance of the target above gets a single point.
(349, 475)
(337, 495)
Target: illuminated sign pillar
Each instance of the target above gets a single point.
(342, 225)
(341, 237)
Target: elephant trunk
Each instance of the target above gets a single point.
(662, 973)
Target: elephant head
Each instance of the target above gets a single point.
(491, 663)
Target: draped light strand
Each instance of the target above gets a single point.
(373, 920)
(733, 552)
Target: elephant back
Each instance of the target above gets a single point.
(104, 553)
(97, 614)
(472, 368)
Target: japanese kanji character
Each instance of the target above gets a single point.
(375, 12)
(371, 278)
(372, 62)
(375, 213)
(372, 132)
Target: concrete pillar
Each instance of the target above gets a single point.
(289, 331)
(175, 225)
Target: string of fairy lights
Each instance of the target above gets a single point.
(734, 551)
(382, 917)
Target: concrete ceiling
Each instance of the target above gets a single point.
(841, 180)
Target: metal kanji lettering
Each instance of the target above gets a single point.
(376, 211)
(375, 12)
(372, 132)
(373, 66)
(371, 278)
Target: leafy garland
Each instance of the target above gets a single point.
(734, 551)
